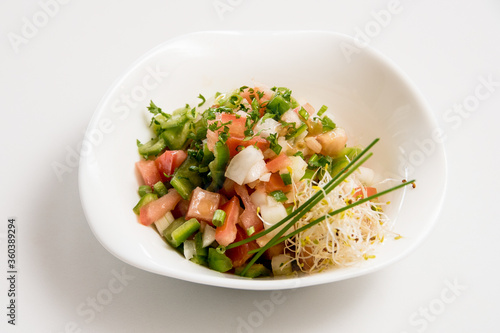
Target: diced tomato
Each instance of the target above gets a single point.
(226, 234)
(276, 183)
(223, 200)
(309, 108)
(181, 209)
(275, 250)
(239, 255)
(246, 94)
(237, 126)
(233, 143)
(280, 162)
(236, 129)
(242, 192)
(358, 194)
(228, 188)
(203, 205)
(149, 172)
(154, 210)
(248, 218)
(169, 161)
(212, 138)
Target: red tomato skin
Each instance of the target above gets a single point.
(169, 161)
(237, 126)
(149, 172)
(203, 205)
(181, 209)
(276, 183)
(279, 162)
(239, 255)
(358, 194)
(154, 210)
(226, 234)
(233, 143)
(248, 218)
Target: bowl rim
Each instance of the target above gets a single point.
(275, 283)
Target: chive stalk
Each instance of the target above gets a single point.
(338, 211)
(327, 189)
(307, 203)
(219, 217)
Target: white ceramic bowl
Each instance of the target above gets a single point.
(365, 92)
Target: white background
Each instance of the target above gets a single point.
(52, 81)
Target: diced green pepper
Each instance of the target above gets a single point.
(167, 233)
(278, 196)
(180, 231)
(153, 147)
(309, 174)
(208, 156)
(328, 124)
(185, 180)
(144, 189)
(218, 166)
(287, 178)
(174, 122)
(218, 261)
(297, 132)
(158, 122)
(230, 100)
(147, 198)
(160, 188)
(322, 110)
(254, 271)
(342, 160)
(200, 250)
(175, 138)
(200, 260)
(278, 105)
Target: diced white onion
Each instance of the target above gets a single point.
(298, 166)
(259, 198)
(189, 248)
(272, 214)
(242, 163)
(313, 144)
(366, 176)
(266, 127)
(257, 170)
(208, 236)
(265, 177)
(242, 114)
(285, 146)
(164, 222)
(291, 117)
(281, 265)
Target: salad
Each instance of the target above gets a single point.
(255, 183)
